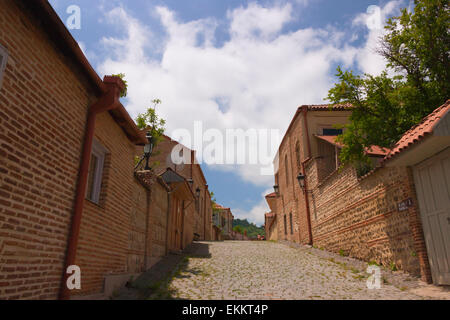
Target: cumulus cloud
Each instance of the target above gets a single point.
(256, 214)
(368, 60)
(254, 80)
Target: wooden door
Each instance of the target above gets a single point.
(432, 180)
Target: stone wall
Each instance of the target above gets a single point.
(360, 218)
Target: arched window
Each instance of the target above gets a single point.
(290, 220)
(285, 225)
(286, 164)
(297, 154)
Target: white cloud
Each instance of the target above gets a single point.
(255, 19)
(255, 79)
(368, 60)
(256, 214)
(262, 73)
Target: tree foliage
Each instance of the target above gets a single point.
(151, 121)
(417, 48)
(252, 230)
(238, 229)
(124, 92)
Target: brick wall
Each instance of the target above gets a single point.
(43, 108)
(361, 218)
(158, 223)
(112, 233)
(201, 219)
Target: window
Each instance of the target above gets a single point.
(290, 220)
(331, 132)
(95, 172)
(286, 164)
(285, 225)
(297, 154)
(3, 58)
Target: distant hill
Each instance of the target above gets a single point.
(252, 229)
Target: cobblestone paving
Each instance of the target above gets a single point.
(267, 270)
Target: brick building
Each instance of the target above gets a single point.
(68, 191)
(223, 219)
(374, 217)
(270, 218)
(199, 214)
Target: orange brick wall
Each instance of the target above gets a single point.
(201, 217)
(158, 223)
(112, 233)
(291, 197)
(43, 107)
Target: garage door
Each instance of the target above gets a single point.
(432, 180)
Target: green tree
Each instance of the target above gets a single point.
(238, 229)
(151, 121)
(213, 203)
(416, 47)
(124, 92)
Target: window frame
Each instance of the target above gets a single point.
(336, 132)
(100, 153)
(4, 59)
(286, 165)
(298, 155)
(291, 222)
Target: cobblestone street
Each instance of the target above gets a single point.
(267, 270)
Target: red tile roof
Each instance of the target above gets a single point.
(218, 206)
(373, 150)
(271, 195)
(331, 107)
(270, 215)
(420, 131)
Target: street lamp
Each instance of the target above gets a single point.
(276, 188)
(148, 148)
(197, 192)
(301, 181)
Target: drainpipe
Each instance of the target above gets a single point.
(109, 101)
(308, 212)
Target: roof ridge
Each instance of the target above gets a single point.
(417, 132)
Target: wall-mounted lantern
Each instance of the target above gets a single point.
(197, 192)
(148, 149)
(276, 188)
(301, 181)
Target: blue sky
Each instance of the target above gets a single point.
(229, 64)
